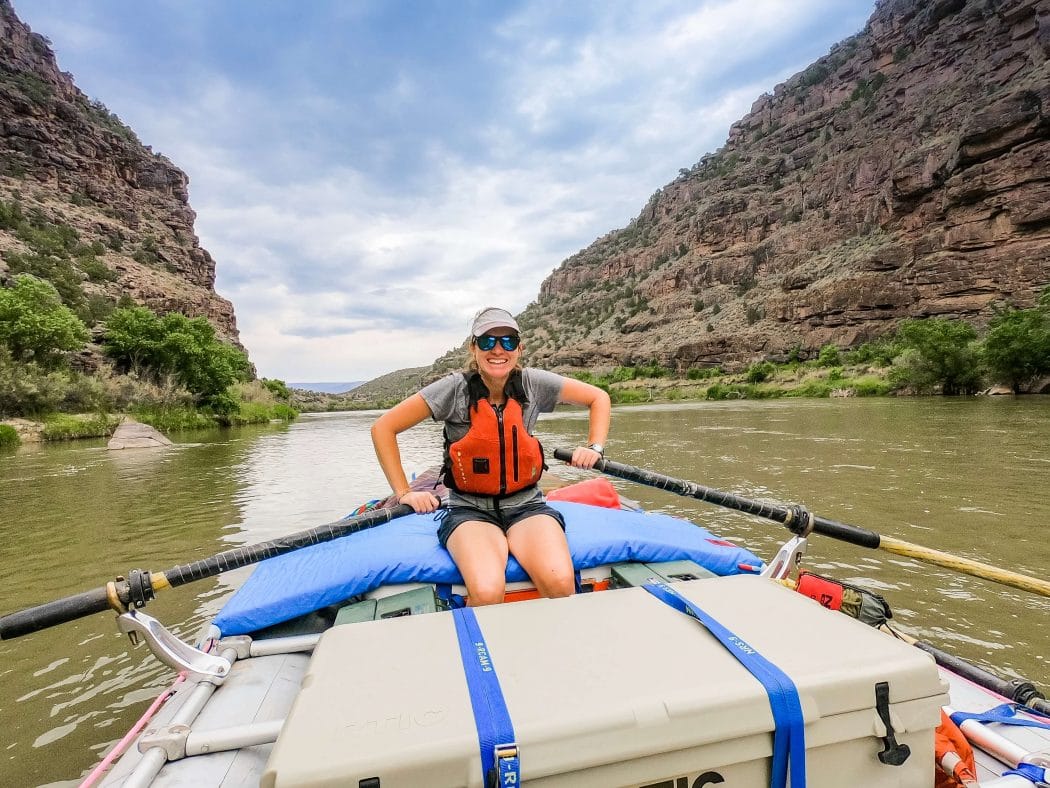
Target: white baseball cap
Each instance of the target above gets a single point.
(492, 317)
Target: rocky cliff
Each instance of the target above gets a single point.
(904, 174)
(85, 203)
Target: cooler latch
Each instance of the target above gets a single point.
(894, 754)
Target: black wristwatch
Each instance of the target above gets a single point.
(598, 448)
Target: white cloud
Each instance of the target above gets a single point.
(358, 227)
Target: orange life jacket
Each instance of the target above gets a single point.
(497, 456)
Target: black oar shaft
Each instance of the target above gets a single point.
(781, 514)
(1018, 690)
(251, 554)
(793, 516)
(50, 614)
(119, 594)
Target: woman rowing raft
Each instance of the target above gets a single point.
(492, 463)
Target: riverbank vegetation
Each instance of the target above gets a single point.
(174, 373)
(928, 356)
(171, 371)
(8, 436)
(925, 357)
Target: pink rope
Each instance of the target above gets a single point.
(122, 745)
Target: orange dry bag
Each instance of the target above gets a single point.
(955, 764)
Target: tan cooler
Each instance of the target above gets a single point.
(611, 689)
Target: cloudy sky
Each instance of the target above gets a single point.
(369, 173)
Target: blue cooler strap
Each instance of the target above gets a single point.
(1006, 714)
(789, 732)
(1037, 775)
(444, 593)
(499, 750)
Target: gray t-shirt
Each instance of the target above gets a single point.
(447, 399)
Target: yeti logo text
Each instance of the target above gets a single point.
(707, 778)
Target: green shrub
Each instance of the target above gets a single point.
(1016, 348)
(8, 436)
(869, 387)
(621, 374)
(45, 238)
(653, 370)
(938, 353)
(722, 391)
(629, 396)
(28, 389)
(96, 270)
(11, 216)
(250, 413)
(879, 353)
(261, 413)
(172, 418)
(829, 356)
(284, 412)
(185, 348)
(277, 387)
(64, 426)
(813, 389)
(56, 270)
(760, 371)
(35, 325)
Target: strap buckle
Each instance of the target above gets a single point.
(508, 765)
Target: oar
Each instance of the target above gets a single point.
(1020, 691)
(799, 520)
(140, 586)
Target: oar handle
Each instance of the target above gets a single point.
(122, 594)
(51, 614)
(781, 514)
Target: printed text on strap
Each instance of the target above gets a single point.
(789, 735)
(498, 748)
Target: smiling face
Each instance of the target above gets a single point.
(495, 365)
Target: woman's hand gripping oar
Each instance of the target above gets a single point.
(139, 587)
(802, 522)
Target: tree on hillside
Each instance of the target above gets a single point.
(937, 353)
(35, 326)
(185, 348)
(1017, 346)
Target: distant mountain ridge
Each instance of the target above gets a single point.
(327, 387)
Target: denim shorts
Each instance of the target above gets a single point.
(503, 517)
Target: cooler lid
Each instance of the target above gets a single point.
(589, 679)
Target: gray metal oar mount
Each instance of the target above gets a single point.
(204, 673)
(173, 652)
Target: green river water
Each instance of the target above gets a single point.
(971, 477)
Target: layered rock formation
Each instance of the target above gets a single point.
(67, 162)
(905, 174)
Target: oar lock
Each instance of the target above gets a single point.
(799, 520)
(133, 592)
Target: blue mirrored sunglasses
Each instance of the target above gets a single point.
(509, 342)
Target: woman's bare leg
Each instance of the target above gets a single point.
(480, 551)
(540, 546)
